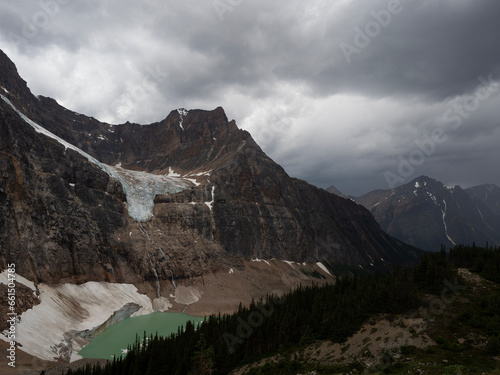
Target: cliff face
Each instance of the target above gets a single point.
(64, 218)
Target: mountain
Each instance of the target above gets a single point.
(425, 213)
(256, 209)
(487, 195)
(333, 190)
(188, 211)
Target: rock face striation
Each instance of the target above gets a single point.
(67, 194)
(425, 213)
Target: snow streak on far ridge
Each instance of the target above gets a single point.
(444, 222)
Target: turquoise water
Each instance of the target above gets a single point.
(117, 337)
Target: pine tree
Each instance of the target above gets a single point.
(203, 358)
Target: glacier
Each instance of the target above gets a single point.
(140, 187)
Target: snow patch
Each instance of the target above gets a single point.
(4, 89)
(171, 173)
(261, 260)
(4, 279)
(182, 112)
(196, 183)
(433, 199)
(323, 267)
(210, 204)
(159, 304)
(69, 307)
(187, 295)
(231, 271)
(207, 173)
(289, 262)
(417, 185)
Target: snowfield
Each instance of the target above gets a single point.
(43, 330)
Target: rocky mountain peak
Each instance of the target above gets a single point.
(333, 190)
(10, 81)
(184, 196)
(426, 213)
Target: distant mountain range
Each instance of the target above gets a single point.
(425, 213)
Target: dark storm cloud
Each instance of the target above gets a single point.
(281, 70)
(431, 49)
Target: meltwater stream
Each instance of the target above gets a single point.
(113, 342)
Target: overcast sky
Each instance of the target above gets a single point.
(360, 94)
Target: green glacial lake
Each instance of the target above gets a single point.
(117, 337)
